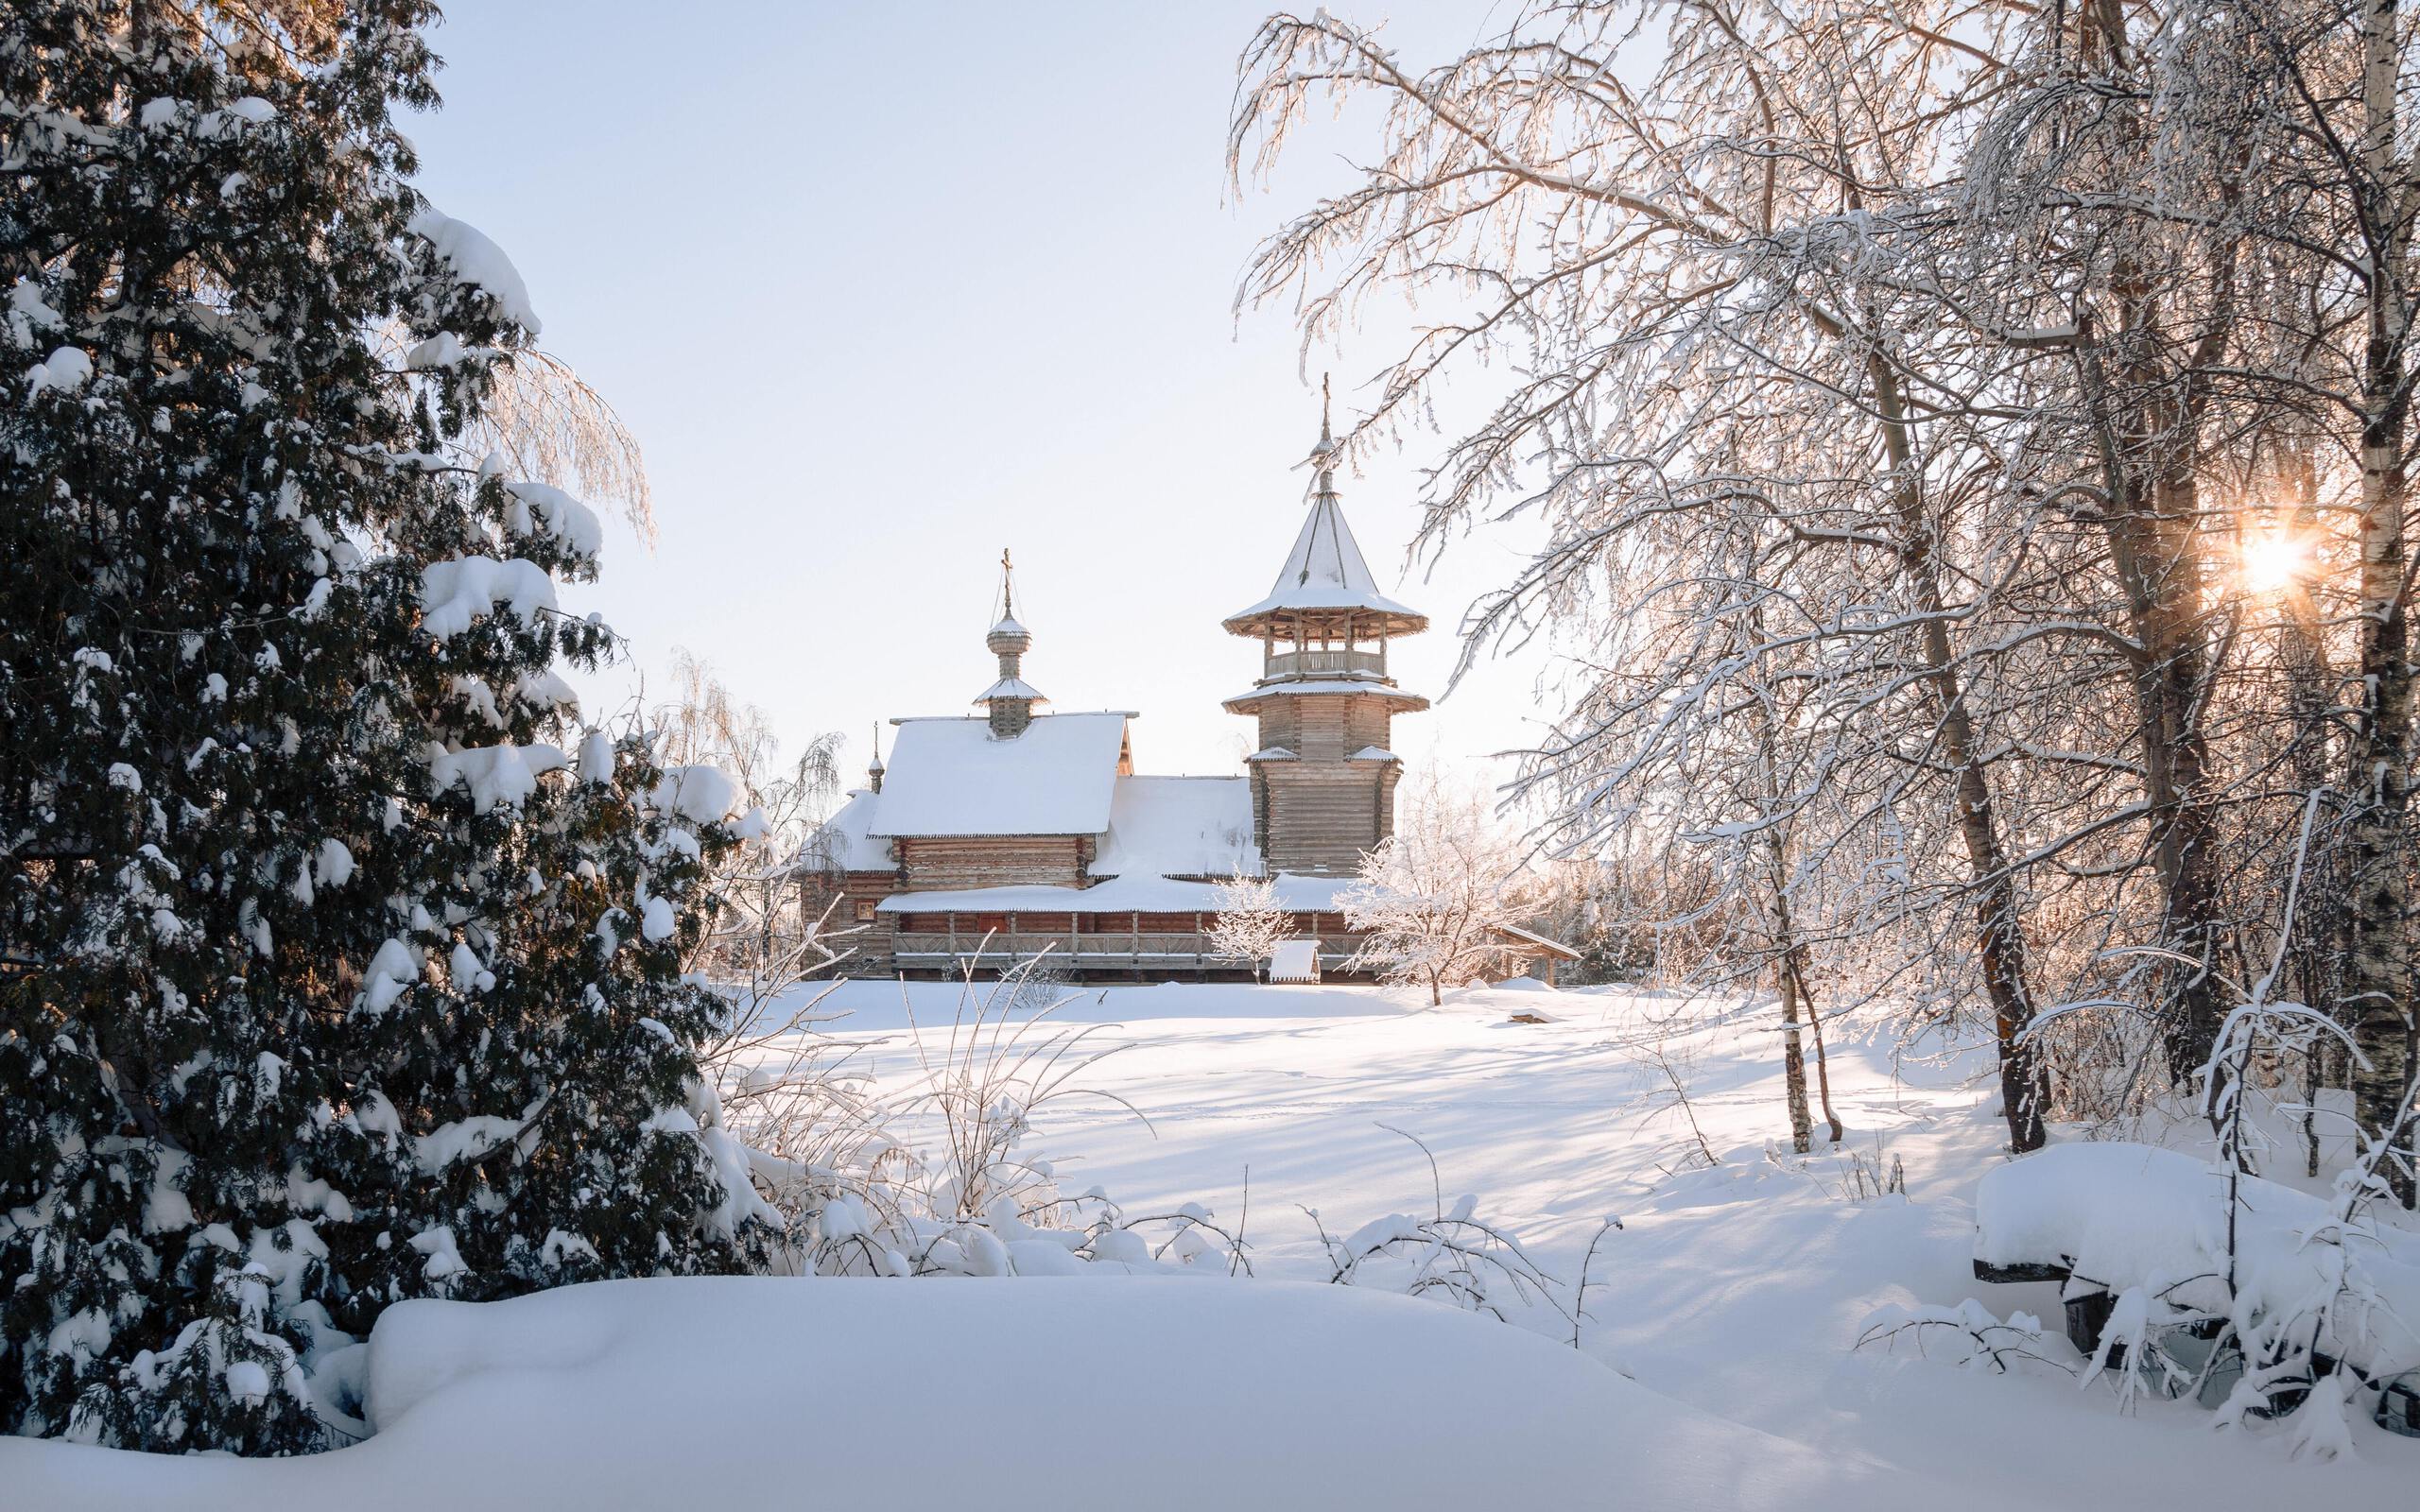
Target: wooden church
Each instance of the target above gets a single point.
(991, 838)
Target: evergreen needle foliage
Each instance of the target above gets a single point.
(332, 977)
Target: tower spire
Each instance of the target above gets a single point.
(1323, 454)
(1008, 586)
(873, 763)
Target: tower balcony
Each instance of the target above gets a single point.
(1328, 660)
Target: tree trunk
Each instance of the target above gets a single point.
(2378, 968)
(1793, 1063)
(2176, 748)
(1823, 1068)
(2148, 436)
(2318, 940)
(1998, 938)
(2151, 528)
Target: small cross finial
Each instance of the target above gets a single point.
(1008, 586)
(1324, 430)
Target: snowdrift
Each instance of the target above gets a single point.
(1014, 1394)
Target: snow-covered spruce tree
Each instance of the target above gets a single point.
(321, 989)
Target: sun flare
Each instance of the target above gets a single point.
(2272, 560)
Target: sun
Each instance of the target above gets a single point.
(2272, 560)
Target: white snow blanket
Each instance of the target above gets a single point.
(1166, 1393)
(949, 777)
(1179, 826)
(1296, 960)
(2126, 1216)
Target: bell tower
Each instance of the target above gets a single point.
(1324, 778)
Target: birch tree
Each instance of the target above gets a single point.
(1683, 275)
(1248, 923)
(1924, 372)
(757, 940)
(1435, 900)
(2346, 66)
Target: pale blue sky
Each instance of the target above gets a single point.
(882, 289)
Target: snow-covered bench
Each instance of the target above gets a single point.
(2115, 1220)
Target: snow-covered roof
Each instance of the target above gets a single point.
(1318, 682)
(844, 838)
(1376, 753)
(951, 777)
(1325, 570)
(1309, 895)
(1271, 753)
(1010, 688)
(1295, 960)
(1120, 895)
(1179, 826)
(1552, 947)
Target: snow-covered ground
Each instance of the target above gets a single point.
(1010, 1394)
(1733, 1297)
(1741, 1290)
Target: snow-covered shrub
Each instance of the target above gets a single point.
(1967, 1334)
(1848, 1174)
(226, 1380)
(830, 1148)
(1452, 1254)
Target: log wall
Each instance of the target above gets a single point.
(1326, 726)
(855, 925)
(1322, 816)
(1318, 813)
(934, 863)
